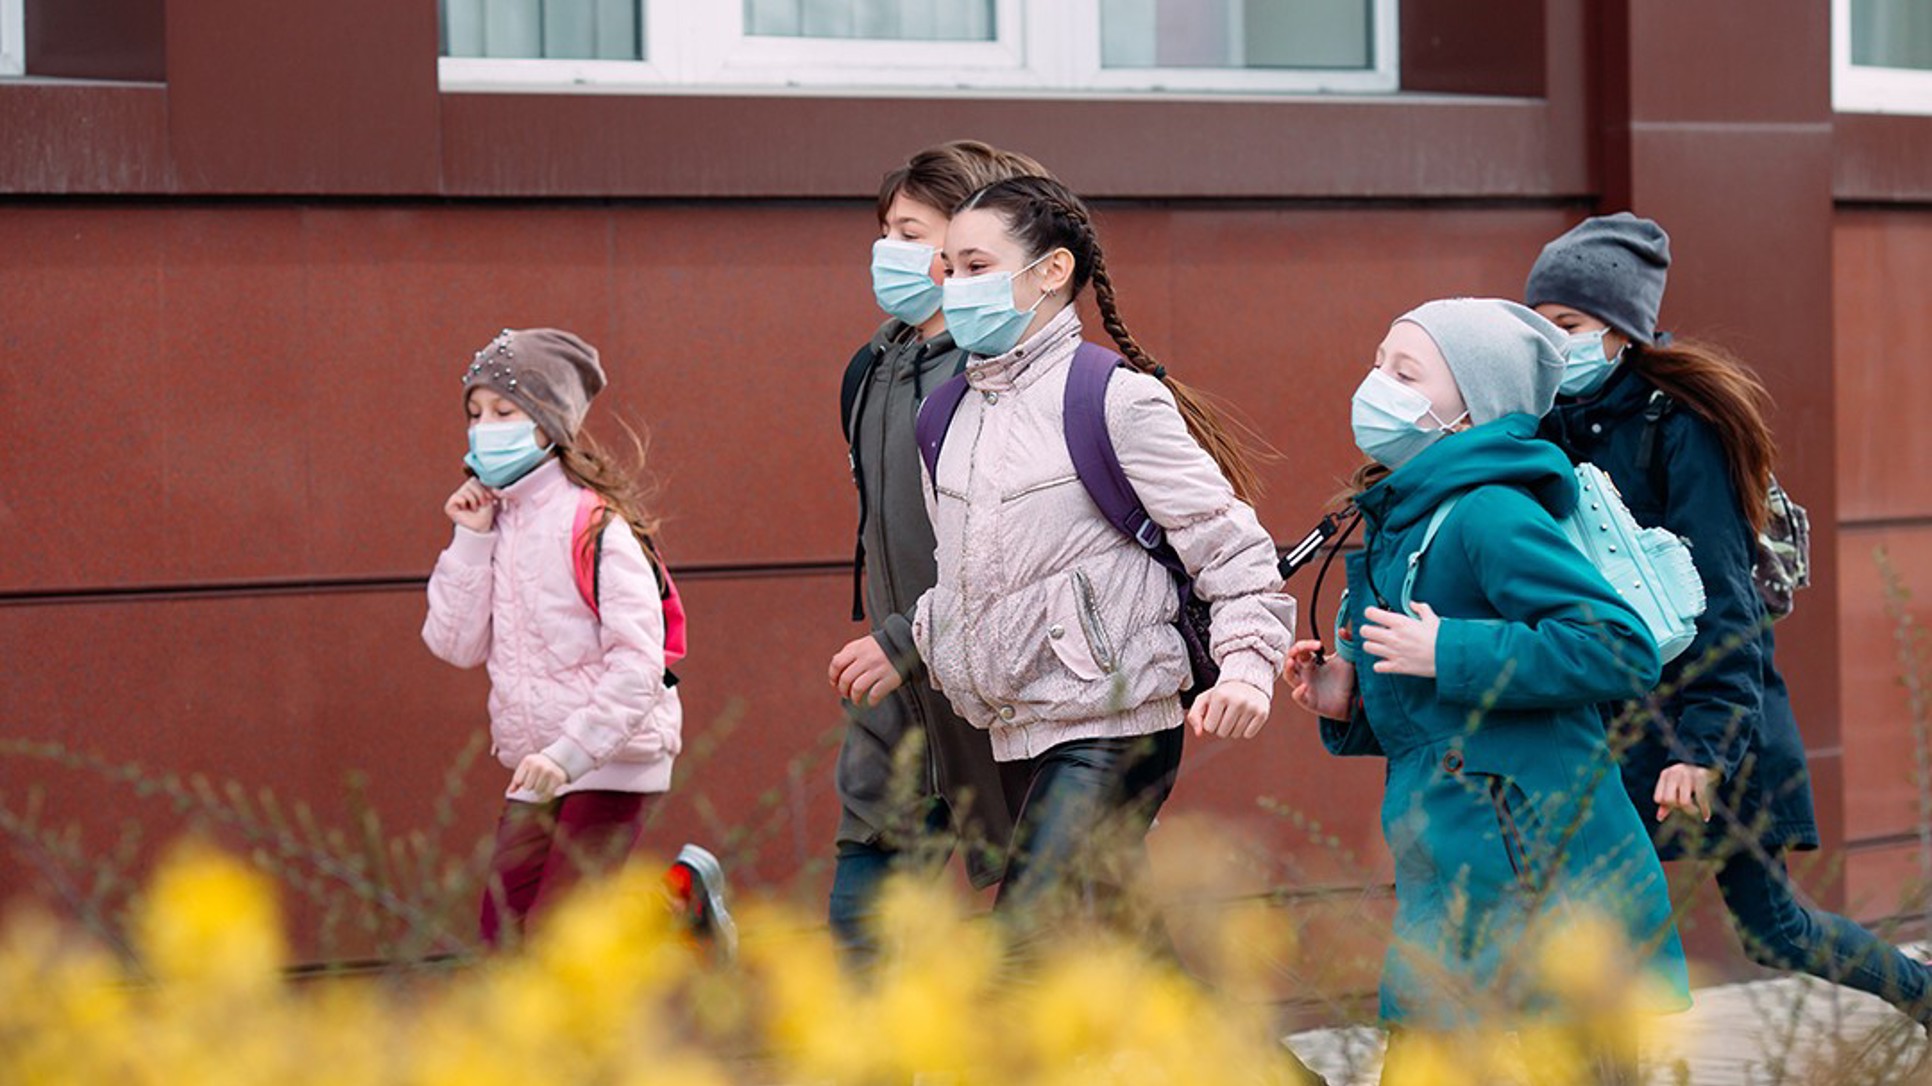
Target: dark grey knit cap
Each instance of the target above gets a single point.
(1505, 357)
(548, 372)
(1612, 267)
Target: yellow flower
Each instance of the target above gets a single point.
(210, 920)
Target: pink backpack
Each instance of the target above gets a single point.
(585, 552)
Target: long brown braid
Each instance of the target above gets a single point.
(1045, 215)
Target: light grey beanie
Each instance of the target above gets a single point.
(1612, 267)
(1504, 356)
(550, 373)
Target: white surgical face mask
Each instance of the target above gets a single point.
(981, 314)
(902, 279)
(1387, 417)
(1585, 366)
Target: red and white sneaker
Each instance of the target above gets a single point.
(697, 882)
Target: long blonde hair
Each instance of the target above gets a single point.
(622, 481)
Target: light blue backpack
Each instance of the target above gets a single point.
(1649, 567)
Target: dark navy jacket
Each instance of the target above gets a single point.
(1722, 703)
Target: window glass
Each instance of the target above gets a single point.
(1892, 33)
(1237, 33)
(544, 29)
(891, 20)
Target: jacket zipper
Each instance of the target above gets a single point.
(1097, 642)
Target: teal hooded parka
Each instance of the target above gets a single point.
(1503, 804)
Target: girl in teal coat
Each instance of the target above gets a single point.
(1503, 809)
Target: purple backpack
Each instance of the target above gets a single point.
(1098, 466)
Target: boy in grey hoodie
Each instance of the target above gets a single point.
(915, 781)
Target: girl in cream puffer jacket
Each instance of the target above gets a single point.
(1049, 627)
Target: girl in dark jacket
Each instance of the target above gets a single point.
(1680, 429)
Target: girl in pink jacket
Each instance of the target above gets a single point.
(1048, 626)
(582, 710)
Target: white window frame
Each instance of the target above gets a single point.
(1864, 88)
(1040, 49)
(13, 37)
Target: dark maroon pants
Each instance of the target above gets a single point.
(542, 849)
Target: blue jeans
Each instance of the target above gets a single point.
(1781, 932)
(859, 877)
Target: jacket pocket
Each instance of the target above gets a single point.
(1516, 823)
(1035, 488)
(1074, 629)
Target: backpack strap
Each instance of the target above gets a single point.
(586, 567)
(935, 418)
(587, 547)
(852, 393)
(1428, 536)
(863, 362)
(1648, 459)
(1097, 463)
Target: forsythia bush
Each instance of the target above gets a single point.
(608, 992)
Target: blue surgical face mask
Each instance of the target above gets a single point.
(902, 279)
(1388, 420)
(981, 315)
(1585, 366)
(503, 452)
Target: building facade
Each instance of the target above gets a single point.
(245, 249)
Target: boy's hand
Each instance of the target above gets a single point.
(862, 673)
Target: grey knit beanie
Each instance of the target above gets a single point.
(548, 372)
(1612, 267)
(1504, 356)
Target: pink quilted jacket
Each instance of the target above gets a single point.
(588, 694)
(1047, 623)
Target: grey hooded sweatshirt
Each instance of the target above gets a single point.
(955, 763)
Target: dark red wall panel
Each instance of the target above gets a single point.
(1454, 47)
(91, 138)
(97, 39)
(306, 96)
(251, 373)
(1882, 260)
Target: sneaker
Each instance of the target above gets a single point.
(698, 883)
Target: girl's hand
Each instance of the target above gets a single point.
(1232, 710)
(1685, 788)
(1320, 684)
(1400, 644)
(538, 774)
(472, 506)
(862, 673)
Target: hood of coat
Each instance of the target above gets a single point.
(1505, 450)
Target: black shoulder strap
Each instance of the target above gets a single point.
(856, 371)
(1648, 460)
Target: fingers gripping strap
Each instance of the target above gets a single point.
(1428, 536)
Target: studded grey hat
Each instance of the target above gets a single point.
(548, 372)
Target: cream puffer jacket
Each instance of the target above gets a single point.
(587, 694)
(1048, 624)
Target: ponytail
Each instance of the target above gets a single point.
(1044, 215)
